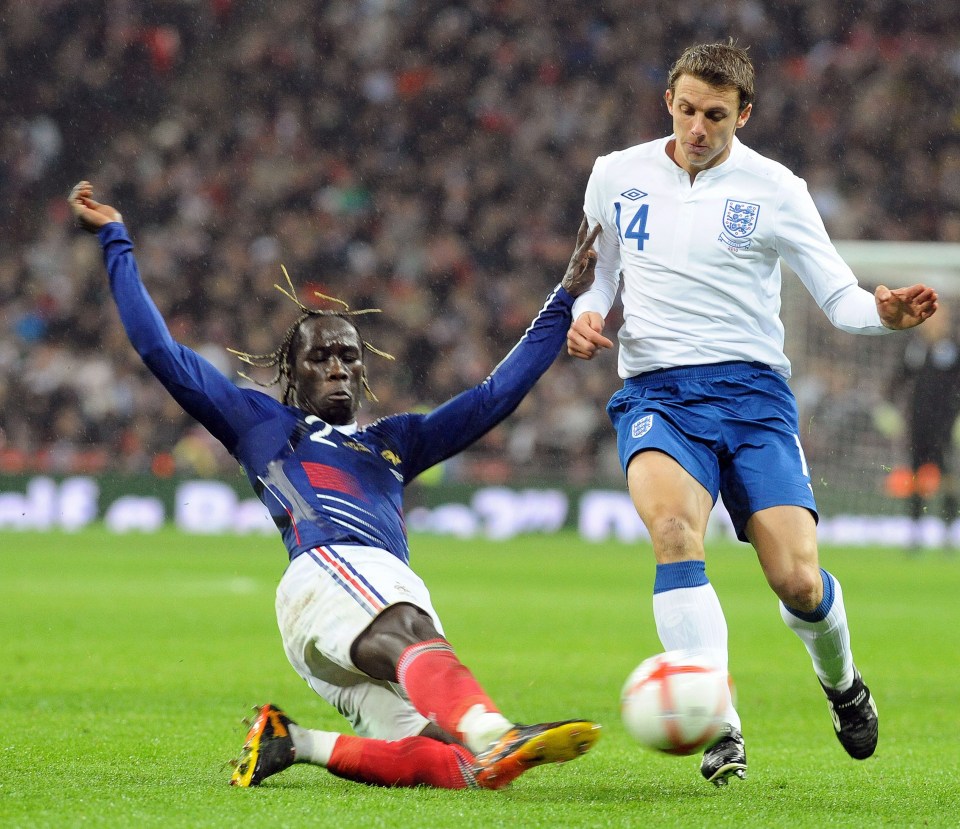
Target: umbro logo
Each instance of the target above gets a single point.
(633, 194)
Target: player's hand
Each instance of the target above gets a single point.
(579, 275)
(905, 307)
(87, 213)
(585, 336)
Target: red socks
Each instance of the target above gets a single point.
(412, 761)
(440, 687)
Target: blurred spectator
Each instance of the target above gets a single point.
(928, 384)
(424, 157)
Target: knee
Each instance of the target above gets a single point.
(800, 588)
(674, 539)
(378, 649)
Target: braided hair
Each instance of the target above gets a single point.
(282, 358)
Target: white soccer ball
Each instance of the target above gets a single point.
(675, 702)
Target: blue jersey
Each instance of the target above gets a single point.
(321, 485)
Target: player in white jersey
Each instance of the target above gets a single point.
(695, 225)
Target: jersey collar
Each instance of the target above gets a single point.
(731, 162)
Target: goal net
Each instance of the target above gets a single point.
(848, 423)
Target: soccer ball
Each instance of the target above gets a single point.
(674, 702)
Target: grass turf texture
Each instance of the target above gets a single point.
(127, 662)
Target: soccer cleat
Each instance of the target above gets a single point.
(268, 749)
(726, 758)
(854, 715)
(525, 746)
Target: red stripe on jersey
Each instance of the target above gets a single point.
(348, 577)
(322, 476)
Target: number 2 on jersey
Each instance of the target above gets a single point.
(637, 229)
(320, 435)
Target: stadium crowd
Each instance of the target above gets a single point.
(426, 158)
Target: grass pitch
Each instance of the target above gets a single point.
(127, 662)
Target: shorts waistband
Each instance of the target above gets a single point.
(704, 372)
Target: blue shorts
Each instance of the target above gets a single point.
(733, 426)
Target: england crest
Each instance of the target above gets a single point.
(740, 218)
(642, 426)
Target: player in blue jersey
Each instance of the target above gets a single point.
(694, 227)
(356, 622)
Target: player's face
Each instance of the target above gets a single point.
(328, 370)
(705, 119)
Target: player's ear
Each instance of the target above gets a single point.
(744, 116)
(668, 97)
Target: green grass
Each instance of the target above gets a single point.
(126, 663)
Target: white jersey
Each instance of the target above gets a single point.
(701, 262)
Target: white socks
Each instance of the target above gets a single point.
(826, 635)
(311, 746)
(690, 617)
(481, 727)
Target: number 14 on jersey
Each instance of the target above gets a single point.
(637, 229)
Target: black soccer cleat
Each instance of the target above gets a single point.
(267, 750)
(726, 758)
(854, 715)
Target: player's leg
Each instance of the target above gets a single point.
(811, 601)
(275, 742)
(403, 645)
(341, 606)
(320, 610)
(811, 605)
(950, 506)
(944, 458)
(673, 481)
(675, 509)
(766, 488)
(928, 447)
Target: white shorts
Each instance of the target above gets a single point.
(325, 600)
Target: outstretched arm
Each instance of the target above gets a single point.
(467, 417)
(204, 392)
(905, 307)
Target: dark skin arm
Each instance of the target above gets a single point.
(378, 649)
(583, 260)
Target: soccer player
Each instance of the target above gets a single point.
(696, 223)
(356, 622)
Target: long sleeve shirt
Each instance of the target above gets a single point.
(700, 261)
(324, 484)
